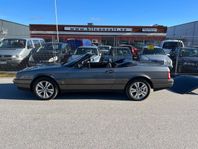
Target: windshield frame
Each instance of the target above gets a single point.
(77, 60)
(85, 48)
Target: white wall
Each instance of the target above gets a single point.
(14, 30)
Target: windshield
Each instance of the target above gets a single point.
(106, 48)
(121, 52)
(153, 51)
(50, 47)
(13, 43)
(172, 45)
(76, 60)
(189, 52)
(82, 51)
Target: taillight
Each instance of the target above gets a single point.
(169, 75)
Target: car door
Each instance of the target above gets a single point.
(89, 78)
(27, 50)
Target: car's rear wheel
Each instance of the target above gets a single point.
(138, 90)
(45, 89)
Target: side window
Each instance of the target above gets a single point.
(29, 44)
(63, 48)
(42, 43)
(36, 44)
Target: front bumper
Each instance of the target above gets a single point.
(22, 83)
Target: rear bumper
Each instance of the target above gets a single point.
(22, 84)
(162, 84)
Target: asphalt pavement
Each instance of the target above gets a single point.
(167, 119)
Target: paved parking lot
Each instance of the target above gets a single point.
(97, 120)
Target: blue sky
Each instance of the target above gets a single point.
(101, 12)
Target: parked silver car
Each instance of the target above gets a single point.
(155, 54)
(133, 78)
(14, 51)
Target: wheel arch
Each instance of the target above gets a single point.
(146, 78)
(43, 76)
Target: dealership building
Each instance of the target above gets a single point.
(187, 32)
(110, 35)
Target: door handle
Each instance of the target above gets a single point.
(109, 71)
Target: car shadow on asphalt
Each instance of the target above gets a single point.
(10, 92)
(185, 84)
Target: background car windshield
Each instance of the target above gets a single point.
(121, 52)
(153, 51)
(82, 51)
(189, 53)
(50, 47)
(172, 45)
(103, 48)
(13, 43)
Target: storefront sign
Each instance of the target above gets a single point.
(98, 29)
(149, 29)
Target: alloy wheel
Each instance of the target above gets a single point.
(44, 89)
(138, 90)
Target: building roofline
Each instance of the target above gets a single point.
(84, 25)
(184, 23)
(14, 22)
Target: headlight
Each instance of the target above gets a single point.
(15, 56)
(53, 59)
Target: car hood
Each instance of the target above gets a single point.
(43, 67)
(77, 56)
(9, 51)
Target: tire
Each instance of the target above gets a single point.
(138, 90)
(45, 88)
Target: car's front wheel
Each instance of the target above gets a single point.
(45, 89)
(138, 90)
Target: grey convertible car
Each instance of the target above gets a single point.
(136, 79)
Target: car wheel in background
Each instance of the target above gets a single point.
(45, 88)
(138, 90)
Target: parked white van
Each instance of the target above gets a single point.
(14, 51)
(169, 45)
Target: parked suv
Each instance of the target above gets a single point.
(169, 45)
(14, 52)
(187, 60)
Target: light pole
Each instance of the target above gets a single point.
(56, 15)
